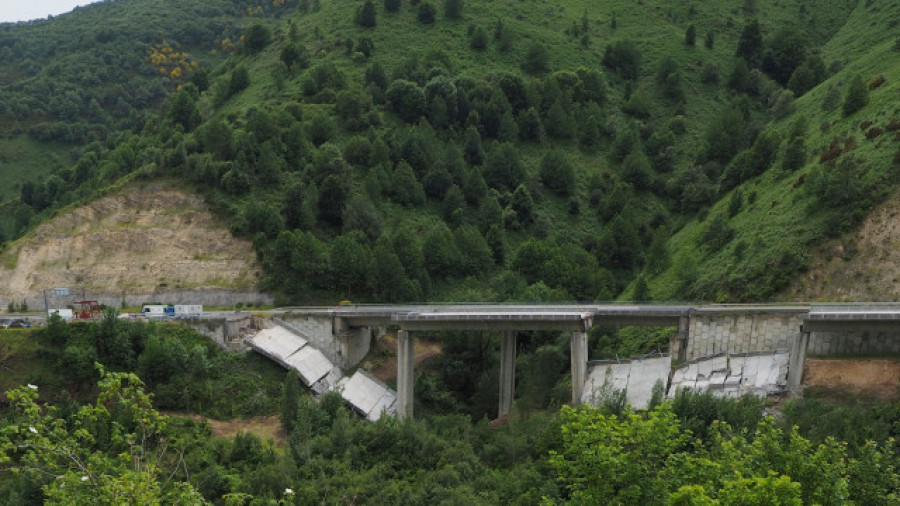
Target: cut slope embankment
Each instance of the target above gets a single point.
(876, 378)
(862, 266)
(142, 240)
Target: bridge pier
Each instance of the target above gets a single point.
(579, 358)
(797, 360)
(507, 371)
(405, 374)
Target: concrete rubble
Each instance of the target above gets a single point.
(364, 393)
(760, 374)
(368, 396)
(636, 377)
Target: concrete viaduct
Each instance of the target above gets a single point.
(702, 330)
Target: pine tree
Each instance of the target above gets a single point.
(641, 291)
(425, 14)
(453, 9)
(478, 40)
(690, 35)
(658, 252)
(750, 44)
(365, 15)
(710, 40)
(290, 401)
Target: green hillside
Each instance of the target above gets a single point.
(87, 76)
(451, 151)
(493, 151)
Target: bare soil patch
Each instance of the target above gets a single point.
(382, 360)
(863, 265)
(266, 427)
(139, 240)
(876, 378)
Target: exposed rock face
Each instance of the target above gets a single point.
(144, 240)
(863, 265)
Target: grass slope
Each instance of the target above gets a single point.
(772, 231)
(773, 234)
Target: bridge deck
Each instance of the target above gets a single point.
(582, 316)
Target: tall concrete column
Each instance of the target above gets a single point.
(679, 344)
(507, 371)
(405, 356)
(797, 361)
(579, 356)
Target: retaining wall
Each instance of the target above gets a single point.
(219, 298)
(740, 333)
(227, 332)
(853, 343)
(344, 346)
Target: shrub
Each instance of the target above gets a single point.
(557, 173)
(667, 66)
(784, 53)
(256, 37)
(874, 132)
(523, 205)
(478, 40)
(717, 233)
(392, 5)
(750, 44)
(673, 89)
(624, 57)
(810, 73)
(857, 96)
(637, 171)
(739, 79)
(322, 76)
(530, 126)
(784, 104)
(321, 129)
(876, 81)
(365, 46)
(503, 169)
(240, 79)
(832, 99)
(638, 104)
(406, 100)
(794, 155)
(710, 74)
(295, 54)
(834, 150)
(536, 61)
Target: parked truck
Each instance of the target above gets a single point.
(172, 311)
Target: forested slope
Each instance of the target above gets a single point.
(71, 442)
(476, 151)
(542, 151)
